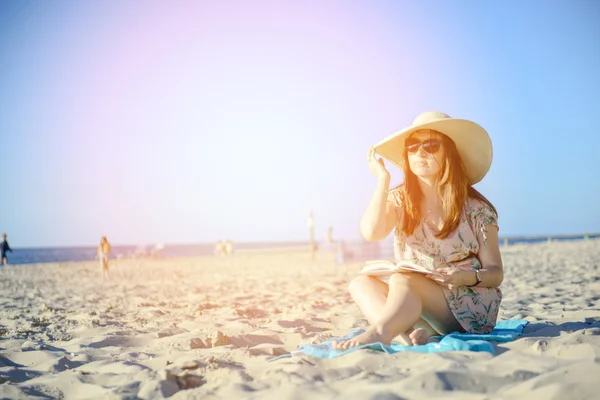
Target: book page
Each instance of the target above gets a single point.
(417, 268)
(385, 267)
(382, 266)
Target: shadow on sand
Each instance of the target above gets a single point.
(540, 330)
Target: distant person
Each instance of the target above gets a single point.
(157, 250)
(229, 247)
(219, 249)
(102, 255)
(4, 247)
(439, 219)
(329, 236)
(331, 244)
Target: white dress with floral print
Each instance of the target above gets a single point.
(476, 309)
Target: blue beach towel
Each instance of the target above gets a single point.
(504, 331)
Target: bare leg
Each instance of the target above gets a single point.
(105, 268)
(370, 295)
(409, 297)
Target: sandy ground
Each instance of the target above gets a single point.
(205, 328)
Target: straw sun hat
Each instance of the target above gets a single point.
(472, 142)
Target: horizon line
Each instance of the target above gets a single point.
(305, 242)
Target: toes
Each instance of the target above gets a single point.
(339, 345)
(345, 345)
(418, 337)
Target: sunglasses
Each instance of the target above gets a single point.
(431, 146)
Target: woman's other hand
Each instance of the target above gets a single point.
(452, 277)
(377, 166)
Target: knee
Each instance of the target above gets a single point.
(359, 283)
(408, 279)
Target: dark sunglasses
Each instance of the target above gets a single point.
(430, 145)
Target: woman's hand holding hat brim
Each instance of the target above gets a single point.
(377, 166)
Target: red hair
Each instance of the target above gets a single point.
(453, 190)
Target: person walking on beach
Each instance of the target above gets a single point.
(4, 247)
(102, 255)
(219, 248)
(228, 247)
(438, 218)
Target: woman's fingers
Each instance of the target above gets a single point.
(436, 278)
(371, 156)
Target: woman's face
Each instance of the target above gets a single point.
(425, 153)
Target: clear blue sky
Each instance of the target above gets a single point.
(190, 121)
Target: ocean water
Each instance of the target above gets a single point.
(541, 239)
(354, 250)
(69, 254)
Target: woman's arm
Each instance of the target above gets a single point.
(491, 272)
(380, 217)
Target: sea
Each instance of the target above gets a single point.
(368, 250)
(88, 253)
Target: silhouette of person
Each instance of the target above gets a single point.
(102, 255)
(4, 247)
(219, 248)
(229, 247)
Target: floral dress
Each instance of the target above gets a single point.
(476, 308)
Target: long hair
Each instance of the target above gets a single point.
(105, 245)
(453, 189)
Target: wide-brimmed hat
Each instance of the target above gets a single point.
(472, 142)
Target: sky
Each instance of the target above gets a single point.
(193, 121)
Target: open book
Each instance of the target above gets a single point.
(385, 267)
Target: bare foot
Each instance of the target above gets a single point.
(369, 336)
(419, 336)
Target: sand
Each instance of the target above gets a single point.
(205, 328)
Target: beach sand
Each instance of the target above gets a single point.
(205, 328)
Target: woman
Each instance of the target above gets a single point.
(438, 218)
(103, 252)
(4, 248)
